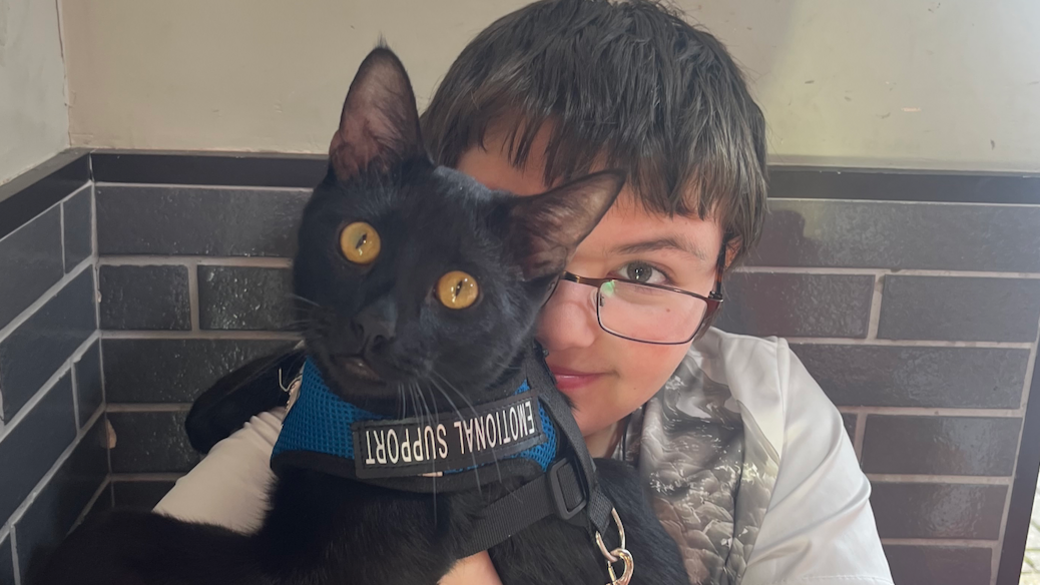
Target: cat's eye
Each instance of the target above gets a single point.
(457, 290)
(360, 243)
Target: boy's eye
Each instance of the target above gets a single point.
(360, 243)
(642, 272)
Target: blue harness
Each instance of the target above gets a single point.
(321, 422)
(530, 433)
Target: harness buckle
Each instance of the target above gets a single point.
(564, 481)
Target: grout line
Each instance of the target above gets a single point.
(1026, 391)
(93, 500)
(132, 477)
(936, 411)
(861, 431)
(243, 261)
(42, 212)
(836, 271)
(944, 479)
(44, 298)
(47, 477)
(875, 307)
(64, 368)
(204, 334)
(149, 407)
(14, 555)
(960, 542)
(908, 343)
(193, 295)
(905, 201)
(75, 391)
(300, 190)
(61, 224)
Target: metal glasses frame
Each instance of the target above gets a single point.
(713, 300)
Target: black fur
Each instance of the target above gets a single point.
(424, 356)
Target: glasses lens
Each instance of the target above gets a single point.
(645, 313)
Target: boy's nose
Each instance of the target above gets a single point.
(568, 319)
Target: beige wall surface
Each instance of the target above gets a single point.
(34, 121)
(888, 83)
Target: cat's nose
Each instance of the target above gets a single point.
(374, 326)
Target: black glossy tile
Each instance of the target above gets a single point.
(6, 562)
(140, 494)
(144, 297)
(936, 445)
(198, 221)
(34, 444)
(27, 195)
(89, 393)
(173, 370)
(831, 183)
(65, 497)
(935, 510)
(30, 262)
(235, 297)
(78, 217)
(151, 442)
(194, 168)
(941, 377)
(797, 305)
(870, 234)
(939, 565)
(38, 347)
(960, 309)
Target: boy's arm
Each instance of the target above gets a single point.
(229, 486)
(819, 527)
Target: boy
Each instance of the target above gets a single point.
(747, 460)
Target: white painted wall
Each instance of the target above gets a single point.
(886, 83)
(34, 121)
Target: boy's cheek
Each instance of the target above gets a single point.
(642, 370)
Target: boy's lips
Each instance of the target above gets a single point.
(568, 380)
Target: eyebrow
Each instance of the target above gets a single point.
(667, 243)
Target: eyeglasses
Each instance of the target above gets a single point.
(652, 313)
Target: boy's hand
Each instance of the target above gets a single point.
(474, 570)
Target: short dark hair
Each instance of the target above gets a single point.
(629, 84)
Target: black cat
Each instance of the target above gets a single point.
(420, 289)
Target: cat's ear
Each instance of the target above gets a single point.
(379, 126)
(545, 230)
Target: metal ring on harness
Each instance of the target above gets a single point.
(619, 554)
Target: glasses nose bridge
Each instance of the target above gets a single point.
(579, 287)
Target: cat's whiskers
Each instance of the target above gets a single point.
(305, 300)
(426, 409)
(498, 469)
(476, 469)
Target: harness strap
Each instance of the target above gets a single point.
(563, 490)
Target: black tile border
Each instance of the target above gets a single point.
(30, 194)
(1023, 488)
(790, 182)
(232, 169)
(27, 195)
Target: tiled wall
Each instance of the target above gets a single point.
(913, 299)
(919, 319)
(53, 460)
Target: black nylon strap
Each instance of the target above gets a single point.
(599, 505)
(525, 506)
(563, 490)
